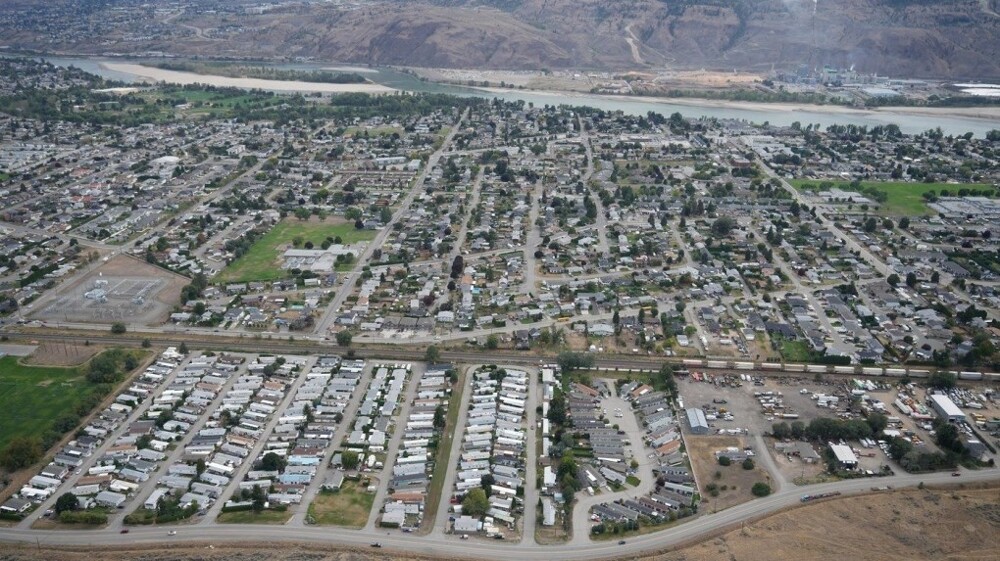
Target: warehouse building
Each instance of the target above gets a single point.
(697, 421)
(946, 408)
(845, 456)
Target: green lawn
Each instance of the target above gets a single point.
(251, 517)
(348, 507)
(795, 351)
(33, 397)
(443, 455)
(263, 263)
(905, 199)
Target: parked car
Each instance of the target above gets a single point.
(124, 531)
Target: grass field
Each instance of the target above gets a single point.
(795, 351)
(33, 397)
(251, 517)
(263, 263)
(349, 507)
(905, 199)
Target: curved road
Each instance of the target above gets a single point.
(436, 545)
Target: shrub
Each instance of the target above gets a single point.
(761, 489)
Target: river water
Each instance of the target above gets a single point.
(760, 113)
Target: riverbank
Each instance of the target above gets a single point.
(152, 74)
(986, 113)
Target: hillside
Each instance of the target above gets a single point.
(919, 38)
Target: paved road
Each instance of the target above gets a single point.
(602, 218)
(529, 518)
(258, 448)
(323, 325)
(633, 431)
(398, 428)
(478, 549)
(137, 414)
(346, 423)
(458, 431)
(532, 242)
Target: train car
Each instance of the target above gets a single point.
(692, 362)
(717, 364)
(816, 368)
(991, 376)
(970, 375)
(872, 371)
(897, 372)
(843, 369)
(771, 366)
(798, 368)
(918, 373)
(743, 365)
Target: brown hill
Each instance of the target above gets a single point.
(920, 38)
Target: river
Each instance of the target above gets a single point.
(909, 120)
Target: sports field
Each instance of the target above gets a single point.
(263, 261)
(905, 199)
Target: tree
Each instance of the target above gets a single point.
(457, 267)
(146, 343)
(350, 460)
(118, 328)
(272, 462)
(725, 460)
(723, 225)
(941, 380)
(781, 430)
(748, 464)
(258, 498)
(439, 417)
(475, 502)
(21, 452)
(893, 279)
(911, 280)
(492, 342)
(904, 223)
(344, 338)
(183, 349)
(569, 361)
(432, 354)
(760, 489)
(67, 502)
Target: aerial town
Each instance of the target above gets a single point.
(472, 326)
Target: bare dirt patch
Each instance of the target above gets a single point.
(911, 525)
(733, 483)
(122, 289)
(54, 353)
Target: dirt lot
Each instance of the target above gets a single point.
(733, 482)
(134, 291)
(909, 525)
(912, 525)
(52, 353)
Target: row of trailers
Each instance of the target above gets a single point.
(855, 370)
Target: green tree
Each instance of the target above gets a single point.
(350, 460)
(724, 461)
(118, 328)
(21, 452)
(66, 502)
(146, 343)
(432, 354)
(344, 338)
(475, 502)
(272, 462)
(183, 349)
(439, 417)
(748, 464)
(892, 279)
(492, 342)
(760, 489)
(941, 380)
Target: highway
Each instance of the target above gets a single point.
(437, 545)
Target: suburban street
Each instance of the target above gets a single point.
(437, 545)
